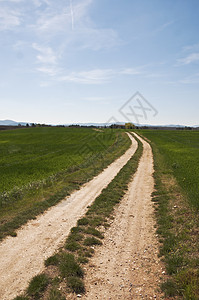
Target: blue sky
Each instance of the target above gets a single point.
(69, 61)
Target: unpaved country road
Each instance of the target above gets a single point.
(22, 257)
(127, 265)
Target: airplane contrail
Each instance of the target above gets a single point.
(72, 14)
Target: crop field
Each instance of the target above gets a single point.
(181, 154)
(36, 163)
(34, 154)
(176, 196)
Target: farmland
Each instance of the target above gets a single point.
(176, 199)
(181, 155)
(62, 159)
(80, 242)
(39, 163)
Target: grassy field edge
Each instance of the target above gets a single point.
(64, 271)
(177, 227)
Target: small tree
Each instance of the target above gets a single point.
(129, 126)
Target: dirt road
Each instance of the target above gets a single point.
(127, 265)
(22, 257)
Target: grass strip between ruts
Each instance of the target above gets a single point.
(64, 272)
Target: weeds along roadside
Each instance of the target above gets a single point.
(60, 186)
(64, 272)
(178, 228)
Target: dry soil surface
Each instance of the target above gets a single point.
(22, 257)
(127, 265)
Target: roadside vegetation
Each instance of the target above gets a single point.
(64, 272)
(176, 199)
(40, 166)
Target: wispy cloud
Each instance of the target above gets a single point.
(163, 26)
(72, 14)
(14, 1)
(191, 48)
(191, 58)
(38, 3)
(130, 71)
(50, 71)
(46, 54)
(63, 28)
(72, 24)
(190, 79)
(9, 19)
(97, 76)
(56, 19)
(57, 28)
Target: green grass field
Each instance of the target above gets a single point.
(40, 166)
(176, 199)
(34, 154)
(181, 154)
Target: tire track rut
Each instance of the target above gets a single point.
(127, 265)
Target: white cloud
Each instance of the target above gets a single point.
(191, 58)
(9, 19)
(19, 45)
(130, 71)
(52, 23)
(46, 54)
(51, 71)
(57, 18)
(14, 1)
(73, 26)
(38, 3)
(97, 76)
(72, 14)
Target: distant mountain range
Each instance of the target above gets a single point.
(14, 123)
(11, 123)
